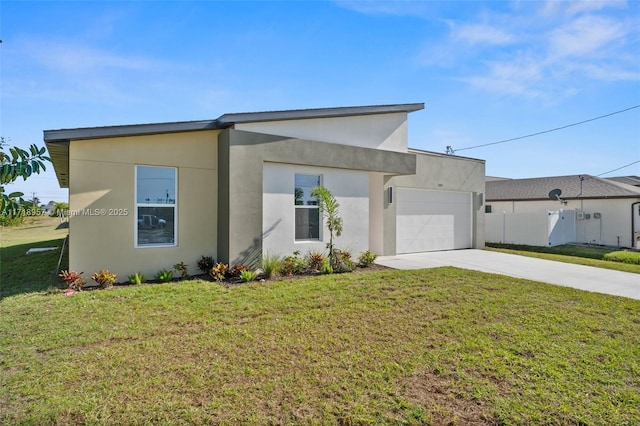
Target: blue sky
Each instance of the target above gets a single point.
(486, 71)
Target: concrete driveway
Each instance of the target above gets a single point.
(565, 274)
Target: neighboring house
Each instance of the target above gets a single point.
(145, 197)
(629, 180)
(607, 212)
(49, 207)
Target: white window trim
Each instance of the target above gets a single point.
(136, 205)
(303, 206)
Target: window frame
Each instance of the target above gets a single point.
(138, 205)
(297, 207)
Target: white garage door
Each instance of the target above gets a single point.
(432, 220)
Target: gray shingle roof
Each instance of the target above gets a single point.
(629, 180)
(539, 188)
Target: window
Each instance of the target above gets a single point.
(487, 208)
(156, 206)
(307, 212)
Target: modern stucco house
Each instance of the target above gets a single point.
(144, 197)
(607, 211)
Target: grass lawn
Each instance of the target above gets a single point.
(581, 255)
(439, 346)
(35, 272)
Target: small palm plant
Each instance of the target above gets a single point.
(247, 275)
(164, 275)
(329, 208)
(137, 278)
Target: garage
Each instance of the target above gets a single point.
(428, 220)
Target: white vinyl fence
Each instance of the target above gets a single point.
(551, 228)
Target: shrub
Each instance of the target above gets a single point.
(270, 265)
(326, 267)
(164, 275)
(74, 280)
(235, 271)
(218, 272)
(104, 278)
(247, 275)
(292, 264)
(342, 261)
(314, 261)
(206, 263)
(366, 258)
(137, 278)
(632, 257)
(9, 220)
(183, 269)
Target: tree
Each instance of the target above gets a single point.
(59, 208)
(14, 164)
(298, 195)
(329, 209)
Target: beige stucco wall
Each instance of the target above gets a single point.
(102, 182)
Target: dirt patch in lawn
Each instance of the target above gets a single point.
(444, 402)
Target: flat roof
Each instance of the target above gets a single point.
(444, 155)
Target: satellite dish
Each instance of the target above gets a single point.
(554, 194)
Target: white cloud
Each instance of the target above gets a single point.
(519, 77)
(379, 7)
(576, 7)
(541, 56)
(480, 34)
(610, 73)
(585, 35)
(463, 39)
(77, 72)
(569, 8)
(77, 58)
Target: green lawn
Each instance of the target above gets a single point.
(439, 346)
(20, 273)
(581, 255)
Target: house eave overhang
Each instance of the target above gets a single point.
(127, 130)
(59, 154)
(228, 120)
(58, 141)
